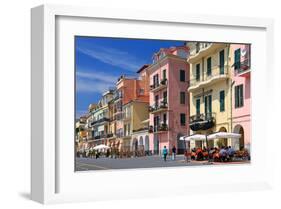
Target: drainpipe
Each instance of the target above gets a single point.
(231, 86)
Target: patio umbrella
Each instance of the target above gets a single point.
(219, 135)
(101, 146)
(195, 137)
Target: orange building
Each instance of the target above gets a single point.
(128, 89)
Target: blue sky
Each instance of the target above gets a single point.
(100, 61)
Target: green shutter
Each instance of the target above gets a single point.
(182, 97)
(222, 98)
(182, 75)
(198, 72)
(237, 55)
(164, 74)
(197, 106)
(222, 62)
(241, 96)
(210, 103)
(209, 66)
(235, 96)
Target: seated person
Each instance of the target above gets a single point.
(223, 154)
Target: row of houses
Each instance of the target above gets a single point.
(198, 88)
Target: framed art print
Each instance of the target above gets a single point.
(124, 100)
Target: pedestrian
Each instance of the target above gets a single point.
(174, 151)
(165, 152)
(187, 155)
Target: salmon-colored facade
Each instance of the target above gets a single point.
(127, 90)
(241, 97)
(168, 99)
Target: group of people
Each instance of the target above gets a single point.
(173, 152)
(222, 154)
(225, 153)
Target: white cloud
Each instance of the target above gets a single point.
(105, 77)
(113, 57)
(92, 86)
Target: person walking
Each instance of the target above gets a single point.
(174, 150)
(165, 153)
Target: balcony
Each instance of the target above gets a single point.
(103, 136)
(243, 68)
(118, 115)
(117, 97)
(141, 129)
(158, 129)
(204, 50)
(218, 73)
(202, 121)
(126, 117)
(156, 108)
(159, 86)
(100, 121)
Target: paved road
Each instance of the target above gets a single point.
(84, 164)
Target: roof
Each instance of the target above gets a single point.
(142, 68)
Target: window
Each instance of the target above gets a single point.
(156, 80)
(197, 47)
(182, 119)
(239, 98)
(237, 55)
(141, 91)
(197, 106)
(164, 74)
(156, 98)
(222, 98)
(182, 75)
(165, 118)
(197, 72)
(222, 62)
(156, 122)
(209, 66)
(182, 97)
(208, 105)
(165, 97)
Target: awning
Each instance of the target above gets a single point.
(220, 135)
(195, 137)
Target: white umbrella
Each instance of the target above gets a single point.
(219, 135)
(195, 137)
(101, 146)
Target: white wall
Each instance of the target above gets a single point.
(15, 101)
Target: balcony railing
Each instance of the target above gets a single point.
(141, 129)
(158, 107)
(198, 48)
(242, 67)
(105, 119)
(158, 86)
(159, 128)
(217, 73)
(202, 121)
(103, 136)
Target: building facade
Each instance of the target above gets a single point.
(131, 96)
(100, 123)
(241, 96)
(168, 99)
(210, 91)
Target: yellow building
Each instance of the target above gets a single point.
(134, 113)
(210, 91)
(101, 123)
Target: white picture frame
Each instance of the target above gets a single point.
(52, 179)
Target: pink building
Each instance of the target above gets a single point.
(168, 99)
(241, 96)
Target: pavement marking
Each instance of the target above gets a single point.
(92, 165)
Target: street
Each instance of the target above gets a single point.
(85, 164)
